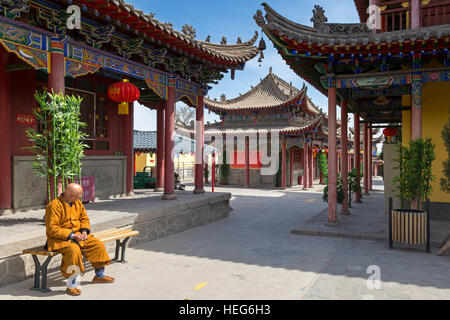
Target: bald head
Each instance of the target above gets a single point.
(72, 192)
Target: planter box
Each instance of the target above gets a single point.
(409, 226)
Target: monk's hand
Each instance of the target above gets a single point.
(78, 237)
(84, 234)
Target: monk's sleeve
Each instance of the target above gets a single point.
(84, 220)
(53, 224)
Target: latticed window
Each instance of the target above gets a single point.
(296, 158)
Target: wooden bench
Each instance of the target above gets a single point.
(445, 245)
(105, 236)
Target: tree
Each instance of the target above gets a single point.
(184, 115)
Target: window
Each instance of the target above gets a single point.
(296, 158)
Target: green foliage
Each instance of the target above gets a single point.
(353, 182)
(224, 168)
(323, 164)
(445, 181)
(339, 187)
(58, 148)
(414, 163)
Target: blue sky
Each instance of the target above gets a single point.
(233, 19)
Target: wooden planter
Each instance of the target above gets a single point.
(409, 226)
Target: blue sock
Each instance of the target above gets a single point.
(99, 272)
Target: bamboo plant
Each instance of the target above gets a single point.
(415, 178)
(58, 145)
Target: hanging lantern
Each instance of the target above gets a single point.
(389, 133)
(123, 93)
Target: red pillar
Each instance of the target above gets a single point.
(283, 162)
(160, 148)
(5, 132)
(415, 14)
(332, 177)
(129, 152)
(56, 75)
(305, 165)
(311, 165)
(247, 163)
(344, 155)
(366, 158)
(291, 172)
(169, 183)
(357, 157)
(370, 160)
(416, 110)
(199, 145)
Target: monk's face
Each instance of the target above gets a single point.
(73, 193)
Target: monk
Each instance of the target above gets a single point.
(68, 231)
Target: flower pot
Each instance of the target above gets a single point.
(409, 226)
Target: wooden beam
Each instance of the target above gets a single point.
(363, 110)
(18, 67)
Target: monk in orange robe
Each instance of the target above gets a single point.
(68, 231)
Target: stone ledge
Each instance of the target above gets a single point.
(165, 220)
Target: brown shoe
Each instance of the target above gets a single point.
(73, 291)
(104, 279)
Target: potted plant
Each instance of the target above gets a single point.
(411, 225)
(353, 185)
(224, 169)
(57, 142)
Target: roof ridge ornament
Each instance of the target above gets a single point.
(189, 31)
(259, 19)
(319, 19)
(208, 38)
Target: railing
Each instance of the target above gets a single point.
(434, 13)
(395, 15)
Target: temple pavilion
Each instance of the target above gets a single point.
(394, 74)
(276, 107)
(112, 41)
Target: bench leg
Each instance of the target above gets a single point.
(121, 245)
(38, 271)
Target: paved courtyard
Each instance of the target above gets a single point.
(253, 255)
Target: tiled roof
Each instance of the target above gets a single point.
(228, 53)
(145, 141)
(271, 92)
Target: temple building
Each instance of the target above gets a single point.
(274, 106)
(395, 73)
(43, 47)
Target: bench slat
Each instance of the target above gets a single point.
(105, 236)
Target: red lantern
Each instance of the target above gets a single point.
(389, 133)
(123, 93)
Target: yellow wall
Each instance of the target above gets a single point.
(435, 114)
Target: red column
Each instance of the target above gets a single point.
(291, 164)
(332, 177)
(5, 132)
(283, 162)
(160, 148)
(416, 110)
(247, 163)
(129, 152)
(305, 165)
(357, 156)
(344, 155)
(370, 160)
(366, 158)
(169, 183)
(415, 14)
(311, 166)
(56, 75)
(199, 145)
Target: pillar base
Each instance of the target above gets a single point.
(199, 191)
(346, 213)
(333, 223)
(171, 196)
(161, 189)
(130, 194)
(366, 193)
(304, 188)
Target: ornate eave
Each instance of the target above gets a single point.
(270, 93)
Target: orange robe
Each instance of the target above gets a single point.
(61, 219)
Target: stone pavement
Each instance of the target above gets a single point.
(367, 221)
(253, 255)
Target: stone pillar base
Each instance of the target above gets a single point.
(172, 196)
(161, 189)
(130, 194)
(346, 213)
(333, 223)
(199, 191)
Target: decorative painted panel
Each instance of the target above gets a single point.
(37, 58)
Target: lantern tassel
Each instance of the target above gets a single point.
(123, 108)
